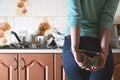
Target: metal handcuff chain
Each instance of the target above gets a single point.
(91, 52)
(86, 59)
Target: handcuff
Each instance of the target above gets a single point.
(89, 63)
(94, 62)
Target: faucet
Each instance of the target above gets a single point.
(18, 45)
(21, 44)
(15, 34)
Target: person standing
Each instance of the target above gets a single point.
(88, 31)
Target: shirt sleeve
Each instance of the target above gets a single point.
(74, 13)
(107, 15)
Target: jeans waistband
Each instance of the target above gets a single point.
(67, 37)
(83, 37)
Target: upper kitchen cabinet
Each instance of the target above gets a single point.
(7, 7)
(43, 7)
(61, 8)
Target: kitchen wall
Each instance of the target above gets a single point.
(26, 15)
(117, 15)
(115, 42)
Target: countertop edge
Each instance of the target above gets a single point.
(40, 50)
(115, 50)
(30, 50)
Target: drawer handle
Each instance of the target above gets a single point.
(16, 65)
(24, 63)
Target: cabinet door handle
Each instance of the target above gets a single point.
(16, 65)
(24, 63)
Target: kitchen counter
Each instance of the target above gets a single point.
(30, 50)
(116, 50)
(40, 50)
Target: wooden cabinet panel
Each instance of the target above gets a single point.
(117, 72)
(59, 73)
(25, 66)
(116, 57)
(36, 66)
(116, 75)
(8, 67)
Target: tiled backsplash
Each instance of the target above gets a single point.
(37, 11)
(34, 7)
(26, 15)
(118, 10)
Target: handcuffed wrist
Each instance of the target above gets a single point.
(77, 50)
(92, 52)
(74, 50)
(104, 54)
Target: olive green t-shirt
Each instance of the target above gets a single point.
(91, 16)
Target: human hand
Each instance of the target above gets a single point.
(79, 58)
(100, 62)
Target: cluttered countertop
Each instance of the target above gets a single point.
(39, 44)
(53, 45)
(45, 40)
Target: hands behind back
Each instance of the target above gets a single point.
(79, 57)
(101, 60)
(85, 62)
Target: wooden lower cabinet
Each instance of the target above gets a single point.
(36, 66)
(31, 66)
(59, 73)
(43, 66)
(8, 66)
(116, 75)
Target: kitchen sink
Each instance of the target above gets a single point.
(6, 47)
(24, 45)
(14, 46)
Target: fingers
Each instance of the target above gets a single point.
(91, 64)
(95, 68)
(92, 68)
(87, 68)
(83, 65)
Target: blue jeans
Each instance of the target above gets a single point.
(74, 72)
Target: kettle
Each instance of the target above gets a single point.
(42, 41)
